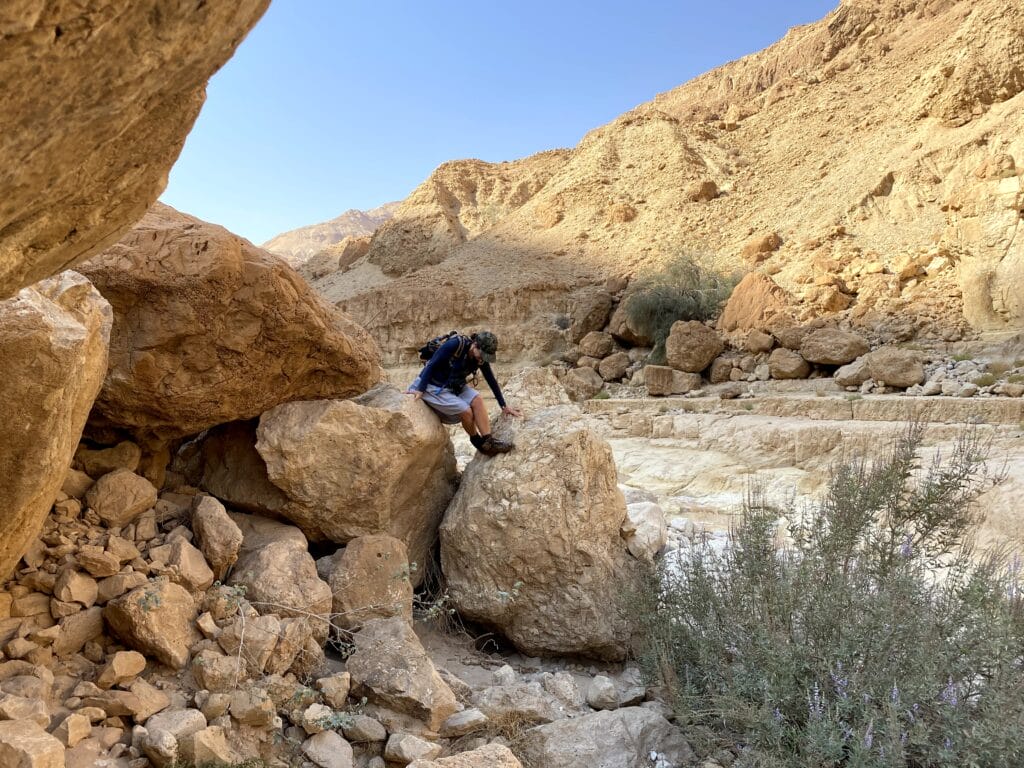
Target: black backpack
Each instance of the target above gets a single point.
(427, 350)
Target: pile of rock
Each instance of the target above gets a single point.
(122, 643)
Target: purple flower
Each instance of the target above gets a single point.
(894, 695)
(777, 714)
(869, 735)
(949, 694)
(814, 704)
(907, 547)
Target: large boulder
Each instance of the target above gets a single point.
(756, 303)
(98, 99)
(279, 574)
(209, 329)
(691, 346)
(662, 380)
(582, 383)
(382, 463)
(831, 346)
(787, 364)
(621, 328)
(632, 737)
(53, 346)
(530, 545)
(896, 367)
(391, 669)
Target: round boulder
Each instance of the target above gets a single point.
(896, 367)
(691, 346)
(787, 364)
(831, 346)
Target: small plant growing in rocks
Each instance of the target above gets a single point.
(879, 638)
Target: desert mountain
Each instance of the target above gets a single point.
(867, 163)
(298, 245)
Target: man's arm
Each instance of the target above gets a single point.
(443, 354)
(485, 369)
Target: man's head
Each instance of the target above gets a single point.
(487, 343)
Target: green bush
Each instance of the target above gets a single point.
(878, 637)
(684, 290)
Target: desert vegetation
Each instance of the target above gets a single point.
(684, 289)
(879, 635)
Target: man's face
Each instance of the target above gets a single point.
(475, 353)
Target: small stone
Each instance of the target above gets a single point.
(121, 496)
(121, 668)
(253, 707)
(462, 723)
(75, 587)
(328, 750)
(365, 729)
(602, 693)
(97, 562)
(73, 729)
(404, 748)
(335, 689)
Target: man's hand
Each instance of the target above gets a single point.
(508, 410)
(416, 394)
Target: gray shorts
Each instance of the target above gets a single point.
(448, 406)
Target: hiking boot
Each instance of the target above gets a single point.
(492, 446)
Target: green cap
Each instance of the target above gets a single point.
(487, 342)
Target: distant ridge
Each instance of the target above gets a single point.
(300, 244)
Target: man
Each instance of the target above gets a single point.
(442, 385)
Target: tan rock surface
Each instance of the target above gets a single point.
(390, 667)
(381, 463)
(24, 744)
(157, 619)
(117, 87)
(896, 367)
(371, 580)
(55, 337)
(831, 346)
(691, 346)
(279, 574)
(210, 329)
(624, 738)
(120, 496)
(531, 542)
(220, 539)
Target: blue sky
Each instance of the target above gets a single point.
(333, 105)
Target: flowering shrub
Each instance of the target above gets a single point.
(878, 637)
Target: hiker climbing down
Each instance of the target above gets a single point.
(442, 385)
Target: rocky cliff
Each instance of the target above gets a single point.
(867, 162)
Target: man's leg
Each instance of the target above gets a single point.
(479, 416)
(467, 417)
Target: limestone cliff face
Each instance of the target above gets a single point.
(98, 99)
(869, 163)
